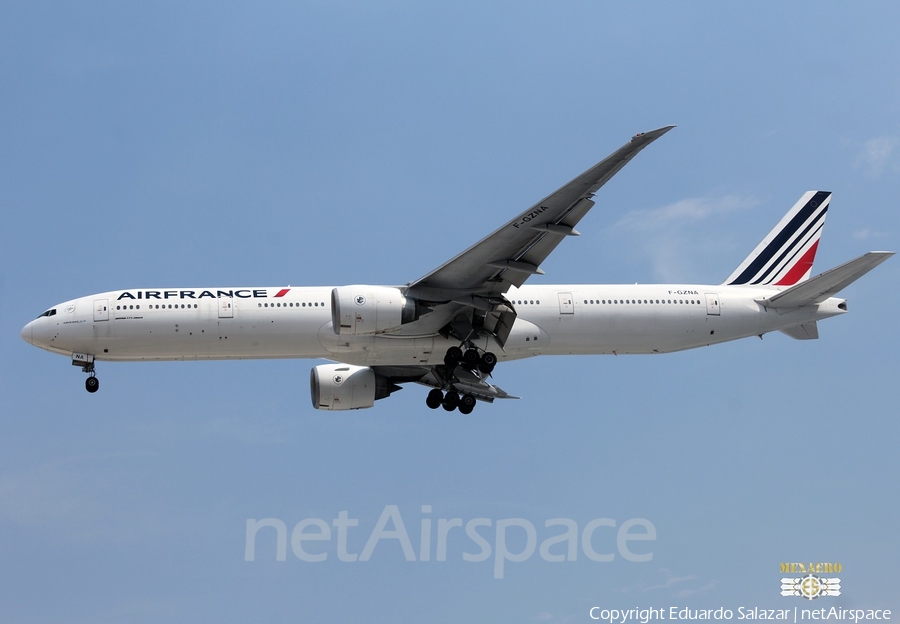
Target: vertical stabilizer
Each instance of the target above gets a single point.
(785, 257)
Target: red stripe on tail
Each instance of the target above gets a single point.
(800, 269)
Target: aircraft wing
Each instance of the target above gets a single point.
(515, 251)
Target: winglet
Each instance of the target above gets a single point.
(652, 135)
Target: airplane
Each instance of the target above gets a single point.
(448, 329)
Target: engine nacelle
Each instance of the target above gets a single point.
(365, 310)
(347, 387)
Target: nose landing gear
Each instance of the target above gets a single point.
(86, 362)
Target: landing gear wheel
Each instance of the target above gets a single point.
(451, 401)
(467, 403)
(487, 362)
(434, 399)
(465, 410)
(453, 356)
(470, 357)
(92, 384)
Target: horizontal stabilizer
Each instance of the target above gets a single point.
(803, 331)
(829, 283)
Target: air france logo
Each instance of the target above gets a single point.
(360, 300)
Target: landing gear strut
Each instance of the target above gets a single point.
(91, 384)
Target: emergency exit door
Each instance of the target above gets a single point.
(226, 307)
(566, 304)
(101, 309)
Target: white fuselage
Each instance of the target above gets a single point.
(245, 323)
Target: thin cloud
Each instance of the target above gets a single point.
(685, 211)
(670, 581)
(663, 234)
(685, 593)
(868, 234)
(879, 155)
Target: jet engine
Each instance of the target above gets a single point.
(366, 310)
(346, 387)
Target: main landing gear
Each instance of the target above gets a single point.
(451, 401)
(473, 360)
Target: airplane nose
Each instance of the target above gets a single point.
(26, 333)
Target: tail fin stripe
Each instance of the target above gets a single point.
(779, 241)
(804, 215)
(799, 244)
(800, 268)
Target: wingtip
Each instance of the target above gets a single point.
(652, 134)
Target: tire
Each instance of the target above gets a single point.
(471, 357)
(434, 399)
(451, 400)
(489, 360)
(454, 355)
(465, 410)
(92, 384)
(467, 401)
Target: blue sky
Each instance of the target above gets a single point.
(197, 144)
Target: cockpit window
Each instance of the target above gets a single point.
(49, 313)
